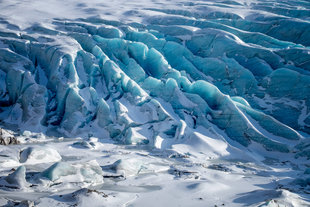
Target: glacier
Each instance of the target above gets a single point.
(210, 76)
(111, 74)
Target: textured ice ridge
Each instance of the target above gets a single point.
(157, 83)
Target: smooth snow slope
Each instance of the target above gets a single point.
(208, 80)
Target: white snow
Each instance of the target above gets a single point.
(191, 166)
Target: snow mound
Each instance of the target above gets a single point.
(36, 155)
(88, 172)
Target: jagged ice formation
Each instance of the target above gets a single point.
(245, 79)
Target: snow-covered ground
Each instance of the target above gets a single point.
(154, 103)
(105, 173)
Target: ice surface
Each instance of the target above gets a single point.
(133, 67)
(18, 178)
(204, 79)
